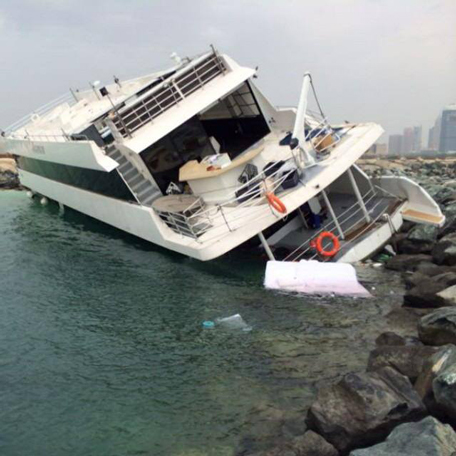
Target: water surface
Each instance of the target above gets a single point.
(102, 350)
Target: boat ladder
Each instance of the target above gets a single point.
(144, 190)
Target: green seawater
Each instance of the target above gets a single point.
(102, 351)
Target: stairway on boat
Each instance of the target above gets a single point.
(142, 188)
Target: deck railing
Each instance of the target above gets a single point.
(168, 94)
(252, 194)
(43, 110)
(376, 200)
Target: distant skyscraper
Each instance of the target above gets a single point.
(436, 136)
(407, 141)
(395, 145)
(431, 139)
(417, 139)
(448, 129)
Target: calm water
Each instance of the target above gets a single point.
(102, 350)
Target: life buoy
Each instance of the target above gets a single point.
(276, 203)
(318, 244)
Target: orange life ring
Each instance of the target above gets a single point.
(317, 244)
(276, 203)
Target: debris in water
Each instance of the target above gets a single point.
(233, 322)
(208, 324)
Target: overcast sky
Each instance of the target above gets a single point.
(389, 61)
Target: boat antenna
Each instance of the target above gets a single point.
(94, 86)
(117, 81)
(74, 95)
(316, 98)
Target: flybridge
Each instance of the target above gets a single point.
(129, 105)
(167, 94)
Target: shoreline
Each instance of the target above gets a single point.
(406, 388)
(9, 178)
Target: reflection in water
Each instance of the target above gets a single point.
(102, 349)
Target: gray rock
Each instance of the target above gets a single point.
(363, 408)
(390, 338)
(444, 194)
(424, 295)
(408, 359)
(420, 239)
(434, 366)
(448, 295)
(450, 222)
(426, 292)
(404, 262)
(444, 252)
(309, 444)
(9, 180)
(439, 327)
(444, 389)
(406, 246)
(428, 437)
(431, 269)
(416, 278)
(423, 233)
(312, 444)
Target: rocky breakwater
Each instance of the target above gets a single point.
(404, 403)
(9, 178)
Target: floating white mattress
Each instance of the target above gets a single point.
(314, 277)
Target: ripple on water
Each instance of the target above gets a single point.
(102, 349)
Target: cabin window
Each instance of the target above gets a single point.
(185, 143)
(230, 126)
(235, 122)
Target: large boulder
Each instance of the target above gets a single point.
(444, 195)
(420, 239)
(433, 367)
(444, 389)
(448, 296)
(363, 408)
(428, 437)
(429, 292)
(9, 180)
(438, 327)
(450, 222)
(406, 359)
(444, 252)
(406, 263)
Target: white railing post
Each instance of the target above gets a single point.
(333, 214)
(358, 195)
(266, 246)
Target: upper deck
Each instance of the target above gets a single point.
(125, 109)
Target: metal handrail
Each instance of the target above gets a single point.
(255, 197)
(255, 189)
(41, 111)
(150, 105)
(331, 225)
(48, 137)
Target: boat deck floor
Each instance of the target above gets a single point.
(350, 216)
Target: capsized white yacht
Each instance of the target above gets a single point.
(197, 160)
